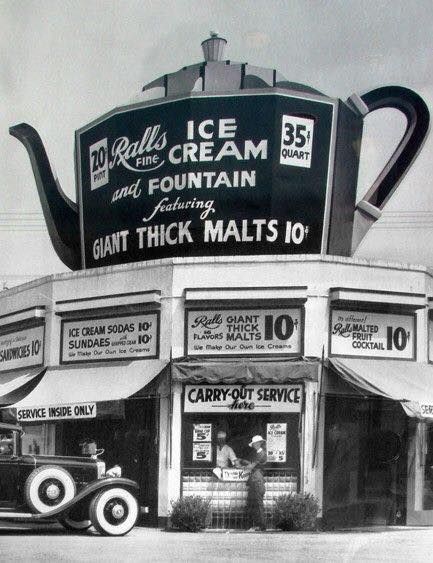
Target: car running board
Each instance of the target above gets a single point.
(22, 516)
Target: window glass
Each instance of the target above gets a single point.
(6, 443)
(38, 439)
(281, 432)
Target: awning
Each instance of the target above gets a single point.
(79, 384)
(245, 370)
(410, 383)
(15, 385)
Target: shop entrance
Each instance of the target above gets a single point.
(129, 439)
(365, 462)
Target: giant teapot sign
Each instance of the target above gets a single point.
(207, 175)
(243, 398)
(22, 349)
(110, 338)
(244, 331)
(374, 335)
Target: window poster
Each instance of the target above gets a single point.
(202, 451)
(276, 442)
(202, 433)
(202, 438)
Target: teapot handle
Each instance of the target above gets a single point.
(418, 119)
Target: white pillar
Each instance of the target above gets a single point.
(308, 480)
(174, 453)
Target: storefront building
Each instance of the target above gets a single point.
(212, 290)
(334, 374)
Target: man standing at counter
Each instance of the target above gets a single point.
(225, 456)
(256, 485)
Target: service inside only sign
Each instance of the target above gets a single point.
(244, 331)
(56, 412)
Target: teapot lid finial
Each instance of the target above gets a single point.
(213, 47)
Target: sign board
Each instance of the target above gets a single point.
(110, 338)
(244, 331)
(22, 349)
(276, 442)
(426, 410)
(243, 398)
(206, 175)
(233, 474)
(56, 412)
(372, 335)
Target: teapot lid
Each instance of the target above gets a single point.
(216, 75)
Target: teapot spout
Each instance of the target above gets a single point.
(60, 213)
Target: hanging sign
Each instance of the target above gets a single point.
(426, 410)
(373, 335)
(243, 398)
(244, 331)
(56, 412)
(22, 349)
(234, 474)
(206, 175)
(111, 338)
(276, 442)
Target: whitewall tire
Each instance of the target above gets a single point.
(48, 487)
(114, 512)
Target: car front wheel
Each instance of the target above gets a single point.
(114, 512)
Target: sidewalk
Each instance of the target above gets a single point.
(401, 544)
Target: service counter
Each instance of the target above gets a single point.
(228, 498)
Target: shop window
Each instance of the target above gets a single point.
(279, 430)
(38, 439)
(365, 462)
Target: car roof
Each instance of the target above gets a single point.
(7, 426)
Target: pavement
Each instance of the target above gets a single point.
(50, 543)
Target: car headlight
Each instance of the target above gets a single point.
(115, 471)
(100, 466)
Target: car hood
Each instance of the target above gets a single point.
(67, 461)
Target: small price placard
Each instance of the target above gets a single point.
(276, 440)
(202, 451)
(202, 433)
(296, 141)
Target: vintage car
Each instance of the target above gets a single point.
(76, 491)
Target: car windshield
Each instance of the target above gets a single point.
(6, 443)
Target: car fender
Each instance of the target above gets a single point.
(87, 491)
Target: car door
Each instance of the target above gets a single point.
(8, 470)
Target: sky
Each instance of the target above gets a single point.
(64, 63)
